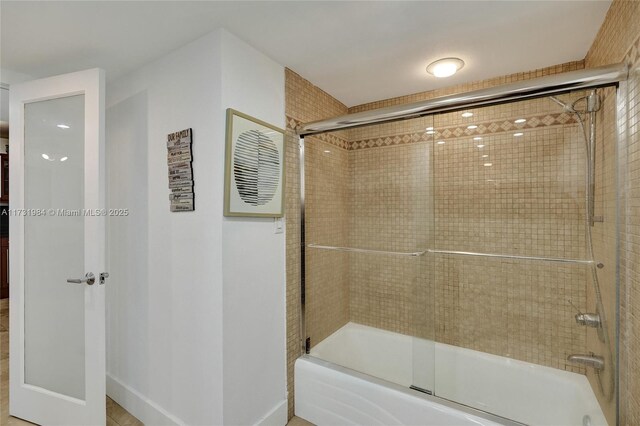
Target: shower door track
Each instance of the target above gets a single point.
(608, 75)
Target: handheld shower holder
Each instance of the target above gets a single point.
(589, 319)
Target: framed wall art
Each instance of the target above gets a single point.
(254, 167)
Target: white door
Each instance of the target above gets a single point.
(57, 235)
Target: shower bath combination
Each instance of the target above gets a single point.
(476, 301)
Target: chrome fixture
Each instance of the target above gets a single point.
(511, 256)
(593, 104)
(103, 277)
(593, 320)
(89, 278)
(528, 89)
(594, 361)
(360, 250)
(589, 319)
(451, 252)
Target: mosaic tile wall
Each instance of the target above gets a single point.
(619, 40)
(327, 223)
(391, 201)
(306, 102)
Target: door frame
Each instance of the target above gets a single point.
(27, 401)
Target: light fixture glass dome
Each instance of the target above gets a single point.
(445, 67)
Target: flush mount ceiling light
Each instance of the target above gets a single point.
(467, 114)
(471, 127)
(517, 135)
(445, 67)
(520, 120)
(63, 126)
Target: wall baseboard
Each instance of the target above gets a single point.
(276, 417)
(148, 412)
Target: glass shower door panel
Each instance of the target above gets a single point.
(368, 301)
(511, 261)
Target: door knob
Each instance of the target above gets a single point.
(89, 278)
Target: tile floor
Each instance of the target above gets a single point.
(116, 415)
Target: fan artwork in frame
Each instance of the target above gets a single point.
(254, 167)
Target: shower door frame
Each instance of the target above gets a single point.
(605, 76)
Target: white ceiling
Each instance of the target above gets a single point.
(356, 51)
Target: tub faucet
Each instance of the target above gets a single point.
(594, 361)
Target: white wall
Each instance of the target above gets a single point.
(8, 76)
(165, 295)
(253, 261)
(182, 308)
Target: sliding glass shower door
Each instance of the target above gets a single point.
(472, 256)
(512, 260)
(368, 301)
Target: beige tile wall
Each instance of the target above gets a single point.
(327, 212)
(390, 211)
(305, 102)
(619, 40)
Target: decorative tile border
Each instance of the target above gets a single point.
(495, 127)
(330, 138)
(487, 128)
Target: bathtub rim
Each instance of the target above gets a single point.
(408, 391)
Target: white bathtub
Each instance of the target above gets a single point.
(360, 375)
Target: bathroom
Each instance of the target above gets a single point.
(473, 263)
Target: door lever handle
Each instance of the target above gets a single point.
(89, 278)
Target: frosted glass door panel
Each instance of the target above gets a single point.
(54, 245)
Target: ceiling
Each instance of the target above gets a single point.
(356, 51)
